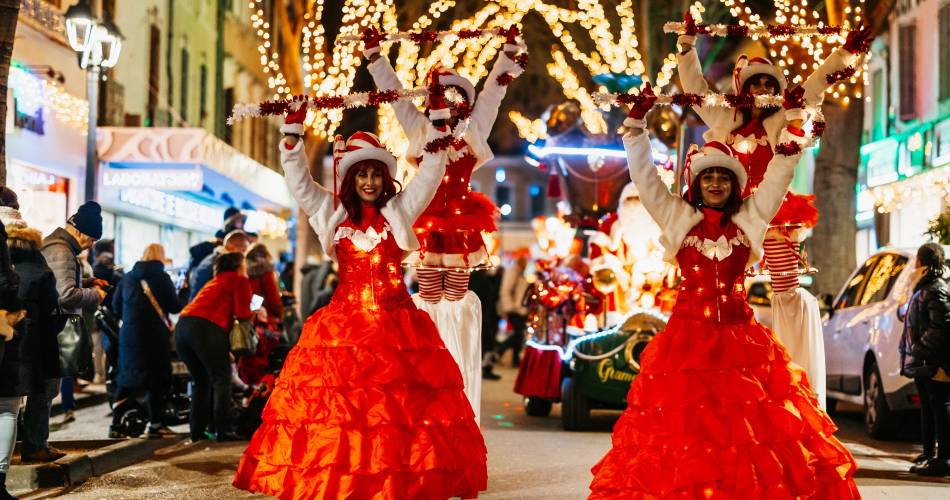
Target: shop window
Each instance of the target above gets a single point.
(503, 200)
(154, 58)
(183, 107)
(879, 282)
(132, 236)
(203, 93)
(908, 71)
(879, 106)
(229, 104)
(943, 66)
(538, 202)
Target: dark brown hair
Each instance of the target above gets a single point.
(225, 262)
(732, 203)
(350, 199)
(766, 112)
(8, 198)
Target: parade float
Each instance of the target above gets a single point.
(601, 289)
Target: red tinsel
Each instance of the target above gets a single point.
(688, 100)
(797, 209)
(818, 128)
(327, 102)
(465, 34)
(423, 36)
(522, 60)
(841, 74)
(829, 30)
(788, 148)
(737, 30)
(740, 100)
(275, 108)
(505, 79)
(781, 29)
(440, 144)
(463, 110)
(382, 97)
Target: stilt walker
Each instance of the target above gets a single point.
(450, 230)
(718, 410)
(754, 134)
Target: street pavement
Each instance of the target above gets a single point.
(528, 458)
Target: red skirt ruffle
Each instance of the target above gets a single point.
(454, 223)
(539, 375)
(369, 404)
(718, 412)
(797, 209)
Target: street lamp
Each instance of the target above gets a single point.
(98, 45)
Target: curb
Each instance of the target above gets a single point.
(73, 469)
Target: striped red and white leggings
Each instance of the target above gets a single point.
(435, 284)
(781, 259)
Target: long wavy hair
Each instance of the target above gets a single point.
(350, 199)
(695, 197)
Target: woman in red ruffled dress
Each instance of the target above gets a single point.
(450, 230)
(718, 410)
(369, 403)
(753, 133)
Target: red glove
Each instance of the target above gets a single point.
(512, 44)
(643, 103)
(859, 41)
(293, 122)
(438, 110)
(794, 97)
(371, 38)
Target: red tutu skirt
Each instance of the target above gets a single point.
(718, 412)
(797, 209)
(454, 222)
(539, 375)
(369, 404)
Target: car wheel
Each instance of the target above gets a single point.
(879, 421)
(537, 407)
(575, 407)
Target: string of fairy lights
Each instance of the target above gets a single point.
(33, 93)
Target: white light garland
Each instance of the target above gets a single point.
(32, 93)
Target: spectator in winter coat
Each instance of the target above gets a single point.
(39, 369)
(234, 220)
(263, 278)
(513, 287)
(10, 314)
(201, 338)
(486, 283)
(236, 241)
(144, 299)
(925, 356)
(317, 285)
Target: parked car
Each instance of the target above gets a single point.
(759, 296)
(862, 329)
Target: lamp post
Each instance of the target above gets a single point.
(97, 45)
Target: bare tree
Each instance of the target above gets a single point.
(9, 11)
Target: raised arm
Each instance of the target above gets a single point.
(489, 99)
(663, 206)
(844, 56)
(420, 190)
(718, 119)
(315, 200)
(412, 120)
(764, 203)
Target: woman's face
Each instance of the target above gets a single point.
(715, 186)
(369, 184)
(762, 85)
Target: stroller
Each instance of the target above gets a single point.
(248, 409)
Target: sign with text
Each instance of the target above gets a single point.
(154, 178)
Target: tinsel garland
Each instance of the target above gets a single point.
(687, 99)
(440, 144)
(355, 100)
(776, 30)
(419, 37)
(788, 148)
(841, 74)
(505, 79)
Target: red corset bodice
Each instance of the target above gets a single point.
(712, 261)
(458, 175)
(369, 259)
(751, 143)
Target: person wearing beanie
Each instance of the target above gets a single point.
(39, 370)
(925, 357)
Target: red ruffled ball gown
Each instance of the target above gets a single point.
(369, 404)
(717, 410)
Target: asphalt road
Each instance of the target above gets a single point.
(529, 458)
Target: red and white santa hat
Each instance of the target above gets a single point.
(450, 77)
(715, 154)
(359, 147)
(748, 67)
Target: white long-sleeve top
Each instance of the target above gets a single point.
(484, 112)
(513, 287)
(722, 121)
(400, 212)
(676, 216)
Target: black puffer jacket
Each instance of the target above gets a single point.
(9, 302)
(925, 343)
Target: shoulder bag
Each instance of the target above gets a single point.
(243, 338)
(155, 305)
(75, 346)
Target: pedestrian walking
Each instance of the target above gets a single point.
(202, 342)
(263, 278)
(511, 303)
(486, 283)
(39, 368)
(11, 312)
(925, 357)
(143, 300)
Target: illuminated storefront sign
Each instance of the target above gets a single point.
(155, 178)
(880, 162)
(172, 206)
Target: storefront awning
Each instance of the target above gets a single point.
(228, 176)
